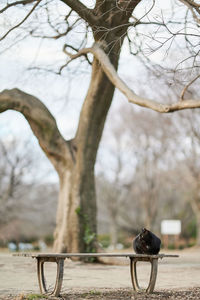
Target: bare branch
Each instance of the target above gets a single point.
(23, 2)
(58, 33)
(187, 86)
(111, 73)
(20, 23)
(41, 122)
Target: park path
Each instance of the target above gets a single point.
(18, 274)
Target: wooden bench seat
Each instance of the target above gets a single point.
(59, 259)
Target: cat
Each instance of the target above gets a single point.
(146, 242)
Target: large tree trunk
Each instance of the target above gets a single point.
(78, 233)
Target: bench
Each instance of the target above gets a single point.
(60, 258)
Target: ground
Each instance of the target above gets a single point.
(178, 278)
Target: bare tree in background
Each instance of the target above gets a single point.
(105, 25)
(148, 140)
(112, 194)
(16, 163)
(191, 172)
(143, 157)
(152, 150)
(27, 200)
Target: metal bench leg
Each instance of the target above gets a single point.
(59, 276)
(153, 276)
(134, 274)
(40, 274)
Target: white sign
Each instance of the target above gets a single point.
(171, 227)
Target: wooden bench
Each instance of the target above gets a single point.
(60, 258)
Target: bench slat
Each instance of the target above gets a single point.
(68, 255)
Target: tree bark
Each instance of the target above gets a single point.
(61, 239)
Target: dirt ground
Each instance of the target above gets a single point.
(178, 278)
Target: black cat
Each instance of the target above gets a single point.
(146, 243)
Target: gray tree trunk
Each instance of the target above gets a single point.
(77, 186)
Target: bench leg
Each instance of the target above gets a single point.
(41, 277)
(134, 274)
(153, 275)
(40, 274)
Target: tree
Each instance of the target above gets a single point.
(14, 165)
(190, 174)
(17, 176)
(143, 152)
(151, 148)
(107, 24)
(112, 194)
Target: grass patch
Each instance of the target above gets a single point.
(35, 297)
(91, 293)
(31, 297)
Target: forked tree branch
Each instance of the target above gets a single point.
(132, 97)
(41, 122)
(83, 11)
